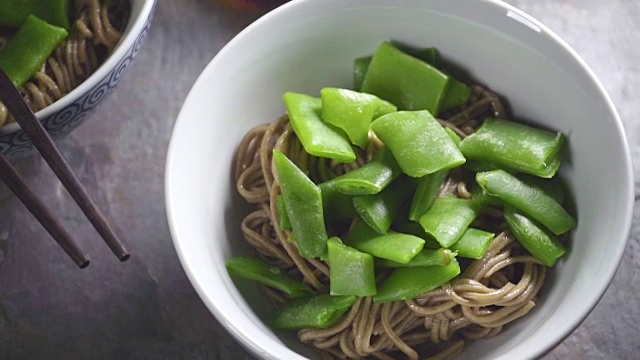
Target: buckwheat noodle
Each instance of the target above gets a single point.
(490, 292)
(96, 29)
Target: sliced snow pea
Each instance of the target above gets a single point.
(448, 218)
(515, 146)
(428, 187)
(410, 282)
(29, 48)
(317, 137)
(473, 243)
(371, 177)
(543, 245)
(351, 272)
(530, 199)
(392, 245)
(283, 217)
(303, 202)
(337, 206)
(406, 81)
(252, 268)
(360, 67)
(352, 112)
(319, 311)
(418, 142)
(426, 257)
(381, 209)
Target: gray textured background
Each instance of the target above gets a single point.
(146, 307)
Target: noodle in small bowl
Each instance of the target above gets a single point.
(307, 45)
(104, 37)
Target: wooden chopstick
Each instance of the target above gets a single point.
(16, 183)
(27, 120)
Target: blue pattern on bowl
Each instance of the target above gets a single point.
(17, 144)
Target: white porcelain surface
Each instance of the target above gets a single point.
(306, 45)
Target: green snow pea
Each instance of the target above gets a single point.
(283, 217)
(410, 282)
(337, 206)
(29, 49)
(380, 210)
(351, 272)
(303, 202)
(319, 311)
(406, 81)
(317, 137)
(428, 187)
(448, 218)
(426, 257)
(473, 244)
(543, 245)
(392, 245)
(252, 268)
(352, 112)
(530, 199)
(515, 146)
(371, 177)
(418, 142)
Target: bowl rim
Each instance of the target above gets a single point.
(627, 182)
(135, 26)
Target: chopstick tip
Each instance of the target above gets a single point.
(124, 256)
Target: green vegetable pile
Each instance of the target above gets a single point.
(403, 239)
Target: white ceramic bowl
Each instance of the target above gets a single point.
(306, 45)
(66, 114)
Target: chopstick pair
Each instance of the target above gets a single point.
(13, 101)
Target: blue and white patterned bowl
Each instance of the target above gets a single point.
(66, 114)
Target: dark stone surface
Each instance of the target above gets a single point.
(146, 307)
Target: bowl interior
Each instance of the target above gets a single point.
(306, 45)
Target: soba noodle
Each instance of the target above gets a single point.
(95, 31)
(490, 292)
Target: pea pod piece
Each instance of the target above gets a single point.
(29, 48)
(392, 245)
(14, 12)
(531, 200)
(351, 272)
(283, 217)
(428, 187)
(414, 228)
(448, 219)
(473, 244)
(252, 268)
(406, 81)
(381, 209)
(317, 138)
(318, 312)
(515, 146)
(337, 206)
(543, 245)
(360, 67)
(411, 282)
(371, 177)
(426, 257)
(303, 203)
(418, 142)
(352, 112)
